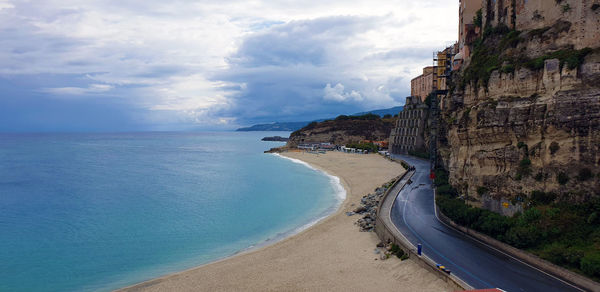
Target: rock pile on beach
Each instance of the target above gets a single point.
(368, 208)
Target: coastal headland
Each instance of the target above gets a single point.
(331, 255)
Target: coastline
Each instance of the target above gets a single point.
(328, 252)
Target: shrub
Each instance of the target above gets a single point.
(494, 224)
(509, 68)
(481, 190)
(542, 197)
(592, 218)
(521, 145)
(396, 250)
(446, 190)
(404, 164)
(364, 146)
(478, 18)
(562, 178)
(566, 8)
(524, 168)
(573, 256)
(584, 174)
(441, 177)
(419, 153)
(554, 147)
(523, 236)
(539, 176)
(590, 264)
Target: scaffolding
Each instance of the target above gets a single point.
(441, 71)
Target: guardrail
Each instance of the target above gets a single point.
(388, 233)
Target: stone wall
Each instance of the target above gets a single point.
(550, 118)
(408, 133)
(582, 15)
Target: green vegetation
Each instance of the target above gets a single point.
(522, 145)
(562, 178)
(563, 233)
(566, 8)
(524, 167)
(492, 52)
(481, 190)
(421, 153)
(428, 99)
(404, 164)
(364, 146)
(367, 117)
(478, 18)
(572, 58)
(584, 174)
(542, 198)
(397, 251)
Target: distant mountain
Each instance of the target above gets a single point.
(289, 126)
(293, 126)
(382, 112)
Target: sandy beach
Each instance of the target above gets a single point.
(330, 256)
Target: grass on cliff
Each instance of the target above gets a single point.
(566, 234)
(492, 51)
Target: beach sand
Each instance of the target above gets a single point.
(330, 256)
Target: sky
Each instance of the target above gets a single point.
(155, 65)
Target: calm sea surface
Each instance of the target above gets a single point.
(102, 211)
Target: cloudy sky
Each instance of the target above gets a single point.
(127, 65)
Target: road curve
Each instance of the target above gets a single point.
(413, 213)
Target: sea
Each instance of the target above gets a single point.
(96, 212)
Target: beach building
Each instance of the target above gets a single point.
(408, 135)
(380, 144)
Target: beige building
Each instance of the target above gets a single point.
(467, 30)
(422, 85)
(410, 126)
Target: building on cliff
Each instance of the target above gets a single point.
(467, 29)
(582, 17)
(422, 85)
(408, 133)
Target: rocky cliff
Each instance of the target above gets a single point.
(524, 116)
(344, 130)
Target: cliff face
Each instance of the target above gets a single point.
(531, 129)
(342, 131)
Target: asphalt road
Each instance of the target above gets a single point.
(480, 266)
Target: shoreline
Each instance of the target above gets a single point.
(297, 260)
(335, 181)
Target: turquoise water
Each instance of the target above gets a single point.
(103, 211)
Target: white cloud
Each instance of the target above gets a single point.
(92, 89)
(174, 55)
(337, 93)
